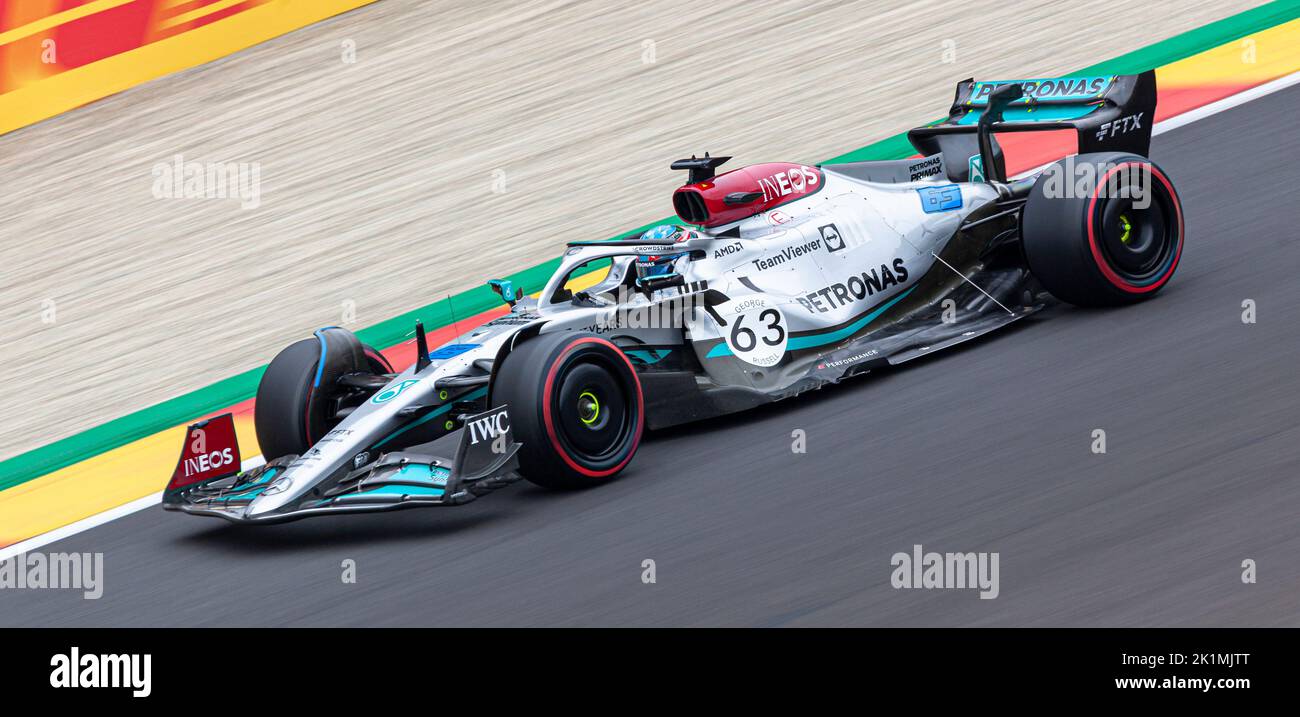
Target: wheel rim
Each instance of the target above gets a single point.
(588, 407)
(592, 408)
(1137, 242)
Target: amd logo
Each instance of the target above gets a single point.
(728, 249)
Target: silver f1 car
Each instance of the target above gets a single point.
(781, 278)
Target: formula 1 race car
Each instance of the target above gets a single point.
(782, 278)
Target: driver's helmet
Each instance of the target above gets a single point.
(659, 265)
(665, 231)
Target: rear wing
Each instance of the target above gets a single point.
(1109, 113)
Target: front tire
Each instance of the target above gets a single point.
(295, 394)
(1098, 247)
(576, 406)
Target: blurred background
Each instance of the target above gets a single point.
(409, 149)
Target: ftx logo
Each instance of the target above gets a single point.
(1123, 125)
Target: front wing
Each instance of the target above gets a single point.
(401, 479)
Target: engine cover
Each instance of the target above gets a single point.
(744, 192)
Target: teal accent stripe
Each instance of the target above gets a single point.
(261, 480)
(807, 342)
(250, 491)
(472, 395)
(649, 357)
(240, 496)
(187, 407)
(433, 474)
(402, 490)
(1044, 113)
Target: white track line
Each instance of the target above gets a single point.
(99, 519)
(1168, 125)
(1227, 103)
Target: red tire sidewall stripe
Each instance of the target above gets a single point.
(1110, 275)
(547, 419)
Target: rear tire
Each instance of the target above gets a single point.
(292, 410)
(1097, 247)
(575, 406)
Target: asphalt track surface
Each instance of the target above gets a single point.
(986, 448)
